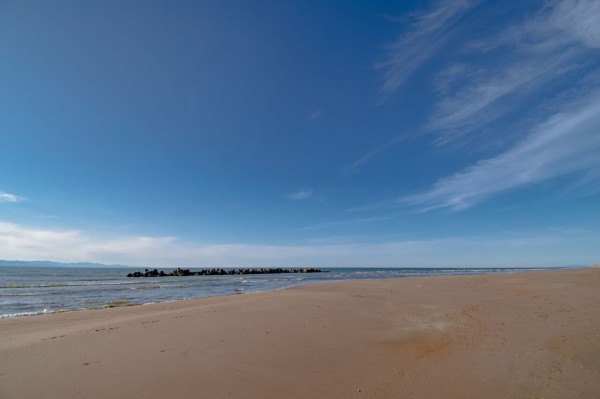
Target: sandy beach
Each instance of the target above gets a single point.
(528, 335)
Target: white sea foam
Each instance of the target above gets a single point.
(78, 284)
(24, 291)
(19, 314)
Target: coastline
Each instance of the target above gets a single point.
(40, 291)
(533, 334)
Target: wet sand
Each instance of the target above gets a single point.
(528, 335)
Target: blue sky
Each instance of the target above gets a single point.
(321, 133)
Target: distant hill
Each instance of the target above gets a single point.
(44, 263)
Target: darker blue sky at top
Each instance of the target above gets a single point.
(203, 120)
(184, 107)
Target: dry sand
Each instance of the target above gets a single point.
(530, 335)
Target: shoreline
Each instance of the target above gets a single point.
(500, 335)
(124, 303)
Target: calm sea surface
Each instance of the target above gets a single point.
(37, 290)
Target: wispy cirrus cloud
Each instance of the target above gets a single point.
(495, 77)
(427, 33)
(7, 197)
(363, 220)
(299, 194)
(533, 88)
(568, 142)
(580, 19)
(529, 57)
(352, 167)
(478, 104)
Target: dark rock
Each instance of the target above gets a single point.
(220, 272)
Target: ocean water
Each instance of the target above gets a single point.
(38, 290)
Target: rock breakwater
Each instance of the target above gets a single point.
(220, 272)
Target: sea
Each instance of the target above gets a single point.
(26, 291)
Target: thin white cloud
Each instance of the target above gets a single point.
(428, 32)
(580, 19)
(547, 249)
(373, 206)
(372, 153)
(299, 195)
(534, 55)
(483, 101)
(568, 142)
(371, 219)
(500, 88)
(7, 197)
(448, 76)
(313, 116)
(526, 90)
